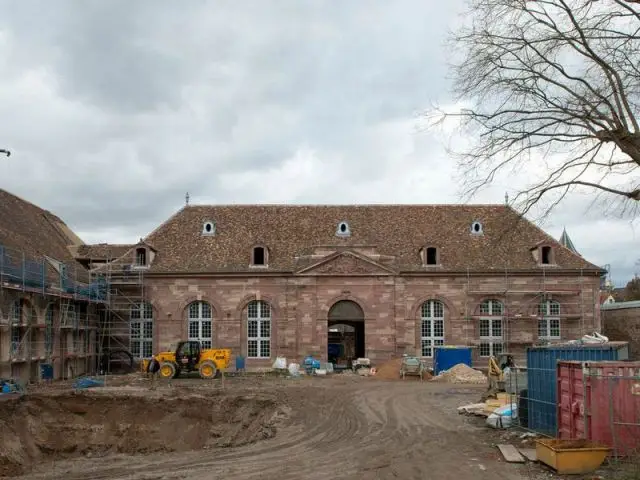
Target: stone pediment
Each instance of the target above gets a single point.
(346, 263)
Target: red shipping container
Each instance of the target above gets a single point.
(600, 401)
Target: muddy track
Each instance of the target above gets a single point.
(359, 430)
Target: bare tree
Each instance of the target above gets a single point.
(553, 88)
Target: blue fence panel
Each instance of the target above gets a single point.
(446, 357)
(542, 377)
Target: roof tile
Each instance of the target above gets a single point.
(292, 231)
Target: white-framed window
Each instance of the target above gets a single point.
(48, 331)
(258, 329)
(141, 325)
(432, 328)
(491, 331)
(200, 323)
(549, 320)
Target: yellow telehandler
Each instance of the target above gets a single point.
(189, 356)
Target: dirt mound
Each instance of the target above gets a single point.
(390, 370)
(461, 373)
(37, 428)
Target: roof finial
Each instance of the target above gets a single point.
(186, 198)
(506, 198)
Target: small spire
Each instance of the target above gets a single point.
(506, 198)
(186, 198)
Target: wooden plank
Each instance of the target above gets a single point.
(511, 454)
(529, 453)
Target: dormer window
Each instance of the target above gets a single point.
(476, 228)
(259, 257)
(430, 256)
(141, 256)
(209, 228)
(343, 230)
(546, 255)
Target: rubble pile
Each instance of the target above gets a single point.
(461, 373)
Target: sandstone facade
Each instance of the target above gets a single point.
(391, 305)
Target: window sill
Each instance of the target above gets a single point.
(260, 267)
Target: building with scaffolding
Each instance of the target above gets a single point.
(49, 305)
(336, 282)
(339, 282)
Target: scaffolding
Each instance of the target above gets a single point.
(525, 300)
(47, 316)
(125, 299)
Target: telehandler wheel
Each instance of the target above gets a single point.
(208, 369)
(167, 370)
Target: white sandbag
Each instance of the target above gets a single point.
(280, 363)
(294, 369)
(503, 417)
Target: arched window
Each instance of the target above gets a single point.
(549, 320)
(48, 331)
(258, 329)
(142, 330)
(200, 321)
(491, 332)
(432, 328)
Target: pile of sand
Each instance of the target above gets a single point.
(461, 373)
(49, 427)
(390, 370)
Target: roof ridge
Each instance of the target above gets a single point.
(44, 211)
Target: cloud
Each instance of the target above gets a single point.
(114, 110)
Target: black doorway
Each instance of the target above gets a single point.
(346, 333)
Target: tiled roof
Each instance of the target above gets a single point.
(102, 251)
(27, 228)
(292, 231)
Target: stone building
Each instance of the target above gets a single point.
(621, 322)
(350, 281)
(48, 305)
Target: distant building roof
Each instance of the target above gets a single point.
(566, 241)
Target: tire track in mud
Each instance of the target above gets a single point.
(359, 430)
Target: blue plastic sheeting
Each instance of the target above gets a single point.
(447, 357)
(87, 382)
(542, 377)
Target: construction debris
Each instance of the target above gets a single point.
(461, 373)
(511, 454)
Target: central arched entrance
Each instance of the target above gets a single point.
(345, 339)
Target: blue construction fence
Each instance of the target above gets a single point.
(18, 269)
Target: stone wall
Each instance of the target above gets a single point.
(621, 322)
(391, 305)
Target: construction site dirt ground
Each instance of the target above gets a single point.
(335, 427)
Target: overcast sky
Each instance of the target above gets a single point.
(114, 109)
